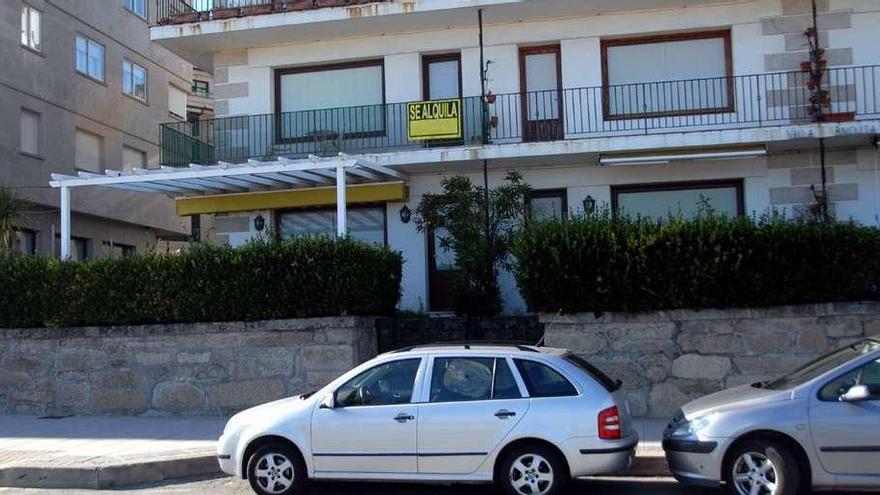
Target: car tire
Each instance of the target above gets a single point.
(276, 469)
(532, 470)
(770, 465)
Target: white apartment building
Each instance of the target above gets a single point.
(642, 105)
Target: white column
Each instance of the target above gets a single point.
(341, 225)
(65, 223)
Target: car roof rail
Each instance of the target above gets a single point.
(521, 345)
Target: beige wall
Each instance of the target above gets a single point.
(48, 83)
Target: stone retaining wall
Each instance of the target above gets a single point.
(667, 358)
(184, 369)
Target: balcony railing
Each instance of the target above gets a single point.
(739, 102)
(185, 11)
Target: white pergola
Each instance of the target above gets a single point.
(253, 176)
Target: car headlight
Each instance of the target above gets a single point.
(691, 427)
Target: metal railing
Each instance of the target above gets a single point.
(185, 11)
(760, 100)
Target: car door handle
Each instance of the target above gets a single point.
(504, 414)
(404, 417)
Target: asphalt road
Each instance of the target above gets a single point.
(229, 486)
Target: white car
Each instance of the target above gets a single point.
(527, 418)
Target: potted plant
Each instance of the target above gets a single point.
(838, 116)
(293, 5)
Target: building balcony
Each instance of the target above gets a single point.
(188, 11)
(645, 109)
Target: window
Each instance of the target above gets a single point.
(822, 365)
(117, 250)
(89, 58)
(543, 381)
(24, 242)
(80, 248)
(547, 205)
(139, 7)
(382, 385)
(459, 379)
(176, 102)
(31, 28)
(201, 88)
(868, 374)
(134, 80)
(339, 100)
(133, 159)
(89, 151)
(658, 76)
(364, 223)
(662, 200)
(30, 132)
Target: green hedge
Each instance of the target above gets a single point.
(603, 263)
(263, 280)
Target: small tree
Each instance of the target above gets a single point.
(11, 213)
(480, 244)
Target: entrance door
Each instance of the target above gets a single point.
(441, 262)
(442, 81)
(541, 87)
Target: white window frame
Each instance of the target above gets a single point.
(90, 43)
(129, 79)
(132, 6)
(28, 38)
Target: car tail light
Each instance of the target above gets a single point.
(609, 424)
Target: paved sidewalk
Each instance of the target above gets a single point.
(108, 452)
(104, 452)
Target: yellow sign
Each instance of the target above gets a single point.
(436, 119)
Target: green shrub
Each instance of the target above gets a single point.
(262, 280)
(607, 263)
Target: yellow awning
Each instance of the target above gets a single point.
(292, 198)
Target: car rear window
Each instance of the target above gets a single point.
(603, 379)
(543, 381)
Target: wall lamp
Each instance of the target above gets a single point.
(589, 205)
(259, 223)
(405, 214)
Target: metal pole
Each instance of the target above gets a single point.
(341, 226)
(483, 110)
(65, 223)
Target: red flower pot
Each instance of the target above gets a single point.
(226, 13)
(839, 117)
(493, 121)
(806, 66)
(491, 98)
(185, 18)
(258, 9)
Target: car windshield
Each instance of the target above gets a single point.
(823, 365)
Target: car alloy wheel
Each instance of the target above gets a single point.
(531, 474)
(274, 473)
(755, 474)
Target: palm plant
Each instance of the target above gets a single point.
(11, 213)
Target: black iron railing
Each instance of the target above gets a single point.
(760, 100)
(184, 11)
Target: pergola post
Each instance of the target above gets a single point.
(65, 223)
(341, 226)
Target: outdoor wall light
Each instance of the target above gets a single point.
(259, 223)
(589, 205)
(405, 214)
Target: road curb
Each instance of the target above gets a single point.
(108, 476)
(128, 474)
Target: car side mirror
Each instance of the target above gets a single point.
(861, 393)
(328, 402)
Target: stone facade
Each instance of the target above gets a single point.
(175, 370)
(667, 358)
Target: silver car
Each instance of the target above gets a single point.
(818, 427)
(527, 418)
